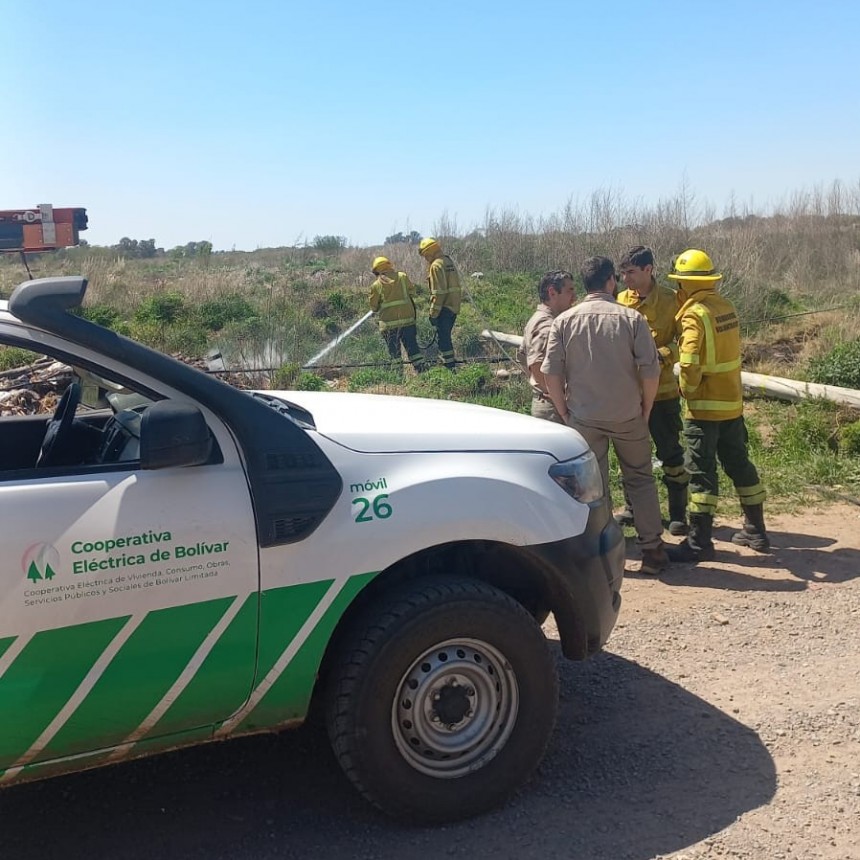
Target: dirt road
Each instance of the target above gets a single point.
(724, 721)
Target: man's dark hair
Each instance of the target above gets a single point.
(638, 256)
(553, 279)
(596, 272)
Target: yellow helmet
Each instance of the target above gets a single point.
(693, 265)
(381, 264)
(428, 246)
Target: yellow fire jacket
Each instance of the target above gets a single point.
(659, 308)
(391, 299)
(444, 281)
(710, 347)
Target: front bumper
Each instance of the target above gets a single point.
(583, 583)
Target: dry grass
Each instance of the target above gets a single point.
(805, 255)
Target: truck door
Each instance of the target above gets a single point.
(128, 605)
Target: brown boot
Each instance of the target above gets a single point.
(654, 560)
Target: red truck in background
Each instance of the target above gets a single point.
(42, 228)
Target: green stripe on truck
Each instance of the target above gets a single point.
(44, 677)
(290, 695)
(137, 678)
(223, 678)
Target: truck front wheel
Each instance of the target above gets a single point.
(443, 700)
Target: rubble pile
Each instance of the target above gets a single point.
(238, 378)
(33, 389)
(36, 388)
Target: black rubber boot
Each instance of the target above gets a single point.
(699, 545)
(753, 534)
(677, 509)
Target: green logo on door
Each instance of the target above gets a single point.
(40, 561)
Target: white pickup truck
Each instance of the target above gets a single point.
(186, 562)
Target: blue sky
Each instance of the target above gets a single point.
(256, 124)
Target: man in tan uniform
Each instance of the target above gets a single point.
(602, 373)
(557, 294)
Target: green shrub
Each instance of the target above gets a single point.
(214, 314)
(253, 328)
(840, 366)
(165, 308)
(370, 377)
(186, 338)
(286, 376)
(310, 382)
(442, 384)
(777, 302)
(344, 305)
(472, 377)
(13, 356)
(809, 430)
(467, 332)
(434, 382)
(103, 315)
(329, 244)
(512, 399)
(505, 300)
(849, 439)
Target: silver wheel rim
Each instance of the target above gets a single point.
(455, 709)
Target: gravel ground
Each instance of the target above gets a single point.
(723, 721)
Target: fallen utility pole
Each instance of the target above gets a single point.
(792, 390)
(760, 384)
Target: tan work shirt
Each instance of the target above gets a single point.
(602, 349)
(533, 348)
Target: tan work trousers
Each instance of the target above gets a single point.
(544, 409)
(632, 443)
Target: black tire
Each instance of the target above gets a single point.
(443, 700)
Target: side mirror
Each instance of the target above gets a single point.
(173, 434)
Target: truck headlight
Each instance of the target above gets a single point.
(580, 478)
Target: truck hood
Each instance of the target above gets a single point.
(384, 424)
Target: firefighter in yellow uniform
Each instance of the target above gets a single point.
(710, 358)
(444, 281)
(658, 304)
(392, 297)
